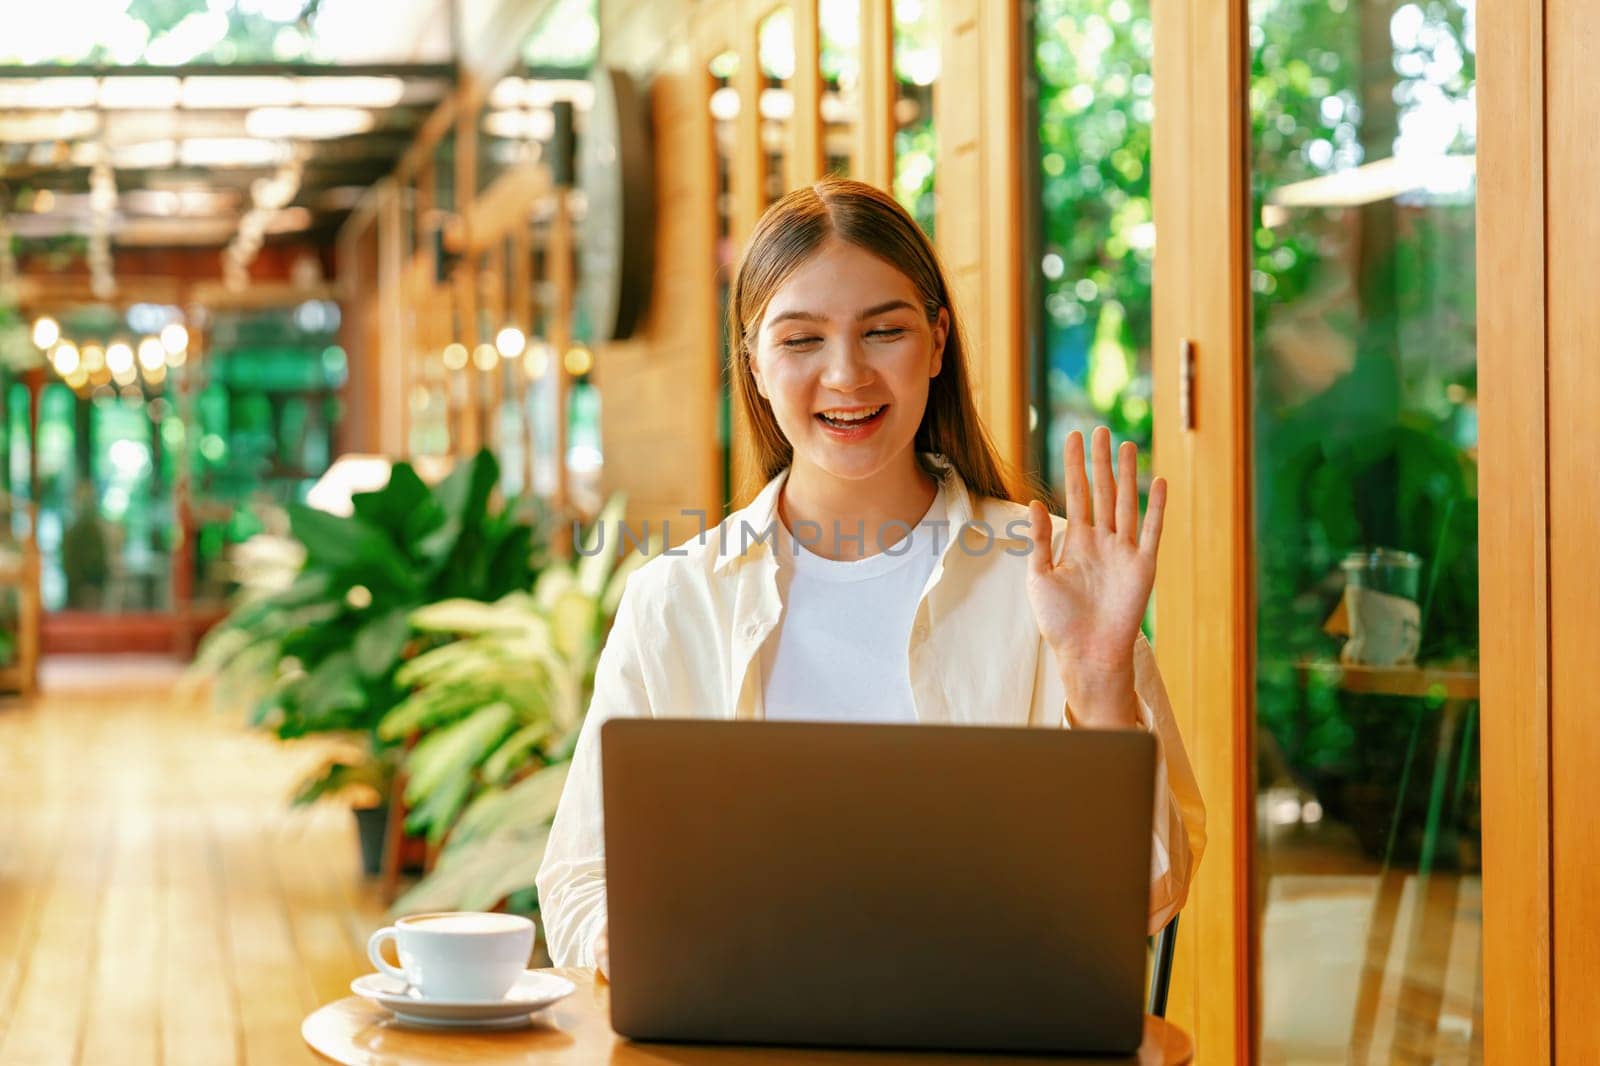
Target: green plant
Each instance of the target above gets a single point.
(498, 711)
(321, 653)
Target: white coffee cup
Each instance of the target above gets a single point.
(457, 955)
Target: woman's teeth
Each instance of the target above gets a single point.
(845, 419)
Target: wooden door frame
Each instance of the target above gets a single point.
(1205, 584)
(1200, 191)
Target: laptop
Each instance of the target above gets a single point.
(891, 886)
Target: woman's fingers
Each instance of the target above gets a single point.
(1077, 485)
(1155, 510)
(1105, 485)
(1039, 560)
(1128, 491)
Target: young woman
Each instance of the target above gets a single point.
(886, 572)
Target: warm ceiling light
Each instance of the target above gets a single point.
(520, 125)
(140, 93)
(119, 359)
(177, 358)
(578, 361)
(455, 356)
(47, 126)
(238, 93)
(351, 92)
(725, 104)
(307, 123)
(543, 92)
(485, 357)
(510, 342)
(151, 354)
(64, 357)
(231, 152)
(148, 155)
(46, 93)
(174, 338)
(94, 358)
(536, 361)
(46, 331)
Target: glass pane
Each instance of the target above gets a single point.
(776, 47)
(1363, 127)
(839, 35)
(1096, 234)
(916, 68)
(724, 112)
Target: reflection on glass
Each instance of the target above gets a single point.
(1097, 238)
(776, 48)
(839, 35)
(916, 67)
(724, 112)
(566, 38)
(262, 428)
(1366, 468)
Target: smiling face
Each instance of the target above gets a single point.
(844, 354)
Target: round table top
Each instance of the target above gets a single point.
(354, 1032)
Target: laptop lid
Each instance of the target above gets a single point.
(954, 887)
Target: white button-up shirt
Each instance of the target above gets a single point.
(686, 643)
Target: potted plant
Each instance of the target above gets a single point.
(496, 712)
(324, 650)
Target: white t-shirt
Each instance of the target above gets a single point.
(839, 653)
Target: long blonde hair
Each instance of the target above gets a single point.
(788, 233)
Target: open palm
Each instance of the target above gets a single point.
(1090, 596)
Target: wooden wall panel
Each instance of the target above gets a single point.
(1204, 592)
(977, 112)
(1513, 519)
(659, 389)
(1572, 102)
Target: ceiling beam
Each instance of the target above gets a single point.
(429, 71)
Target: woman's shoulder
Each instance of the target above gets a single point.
(684, 568)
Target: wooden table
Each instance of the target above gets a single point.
(1454, 690)
(577, 1030)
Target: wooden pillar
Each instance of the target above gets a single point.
(804, 156)
(1204, 587)
(875, 124)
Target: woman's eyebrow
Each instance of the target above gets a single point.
(812, 316)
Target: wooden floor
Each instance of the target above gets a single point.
(159, 903)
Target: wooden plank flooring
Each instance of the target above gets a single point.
(160, 904)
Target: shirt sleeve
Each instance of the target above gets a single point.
(1179, 822)
(572, 877)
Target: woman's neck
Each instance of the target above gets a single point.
(853, 518)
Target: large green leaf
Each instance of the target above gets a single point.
(378, 644)
(356, 551)
(455, 749)
(594, 562)
(516, 751)
(326, 697)
(510, 612)
(478, 877)
(464, 493)
(524, 806)
(404, 506)
(436, 809)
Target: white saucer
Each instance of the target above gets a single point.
(534, 990)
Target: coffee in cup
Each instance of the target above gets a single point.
(457, 955)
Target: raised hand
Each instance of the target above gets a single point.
(1090, 597)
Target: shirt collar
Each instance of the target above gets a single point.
(762, 513)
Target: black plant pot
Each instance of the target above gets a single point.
(371, 822)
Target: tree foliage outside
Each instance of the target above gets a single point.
(1364, 315)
